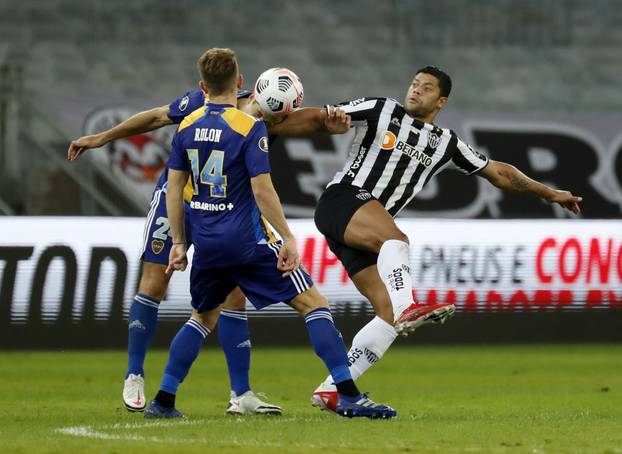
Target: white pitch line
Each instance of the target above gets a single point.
(88, 432)
(140, 425)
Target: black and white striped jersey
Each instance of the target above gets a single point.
(394, 155)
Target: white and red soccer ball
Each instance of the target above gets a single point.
(278, 91)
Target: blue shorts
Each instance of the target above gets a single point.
(157, 240)
(259, 279)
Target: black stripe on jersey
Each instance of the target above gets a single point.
(400, 169)
(463, 162)
(450, 152)
(384, 155)
(410, 188)
(368, 139)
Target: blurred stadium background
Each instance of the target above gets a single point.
(536, 83)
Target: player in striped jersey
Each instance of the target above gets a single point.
(397, 150)
(233, 329)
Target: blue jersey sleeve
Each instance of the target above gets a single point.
(178, 159)
(190, 102)
(256, 150)
(185, 105)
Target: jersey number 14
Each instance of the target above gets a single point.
(211, 173)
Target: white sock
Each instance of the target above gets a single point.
(394, 270)
(368, 346)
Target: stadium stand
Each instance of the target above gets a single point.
(58, 57)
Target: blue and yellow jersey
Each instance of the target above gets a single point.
(222, 148)
(177, 111)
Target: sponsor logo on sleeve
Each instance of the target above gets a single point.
(356, 102)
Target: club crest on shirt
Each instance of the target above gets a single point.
(434, 140)
(157, 246)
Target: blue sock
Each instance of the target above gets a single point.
(235, 341)
(183, 351)
(328, 344)
(142, 322)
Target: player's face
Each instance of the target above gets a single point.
(424, 96)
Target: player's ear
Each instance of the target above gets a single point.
(203, 87)
(240, 81)
(441, 102)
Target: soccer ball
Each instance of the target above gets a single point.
(278, 91)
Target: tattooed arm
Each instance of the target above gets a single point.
(509, 178)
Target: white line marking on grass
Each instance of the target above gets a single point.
(140, 425)
(88, 432)
(117, 431)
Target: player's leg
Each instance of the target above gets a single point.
(207, 288)
(183, 351)
(234, 337)
(143, 314)
(263, 284)
(328, 345)
(373, 228)
(374, 339)
(235, 341)
(142, 322)
(362, 223)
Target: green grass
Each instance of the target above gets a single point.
(501, 399)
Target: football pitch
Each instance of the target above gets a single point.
(475, 399)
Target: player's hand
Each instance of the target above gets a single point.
(177, 260)
(79, 146)
(566, 200)
(288, 260)
(337, 121)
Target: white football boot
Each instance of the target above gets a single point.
(249, 404)
(134, 393)
(325, 397)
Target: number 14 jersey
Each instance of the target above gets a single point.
(222, 148)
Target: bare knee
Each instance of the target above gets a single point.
(236, 301)
(383, 237)
(154, 281)
(207, 318)
(308, 301)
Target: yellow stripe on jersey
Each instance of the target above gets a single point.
(192, 118)
(269, 233)
(188, 190)
(239, 121)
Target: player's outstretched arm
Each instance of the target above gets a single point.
(509, 178)
(331, 120)
(175, 208)
(270, 207)
(139, 123)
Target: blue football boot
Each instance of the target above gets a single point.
(157, 411)
(363, 407)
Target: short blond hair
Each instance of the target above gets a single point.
(219, 70)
